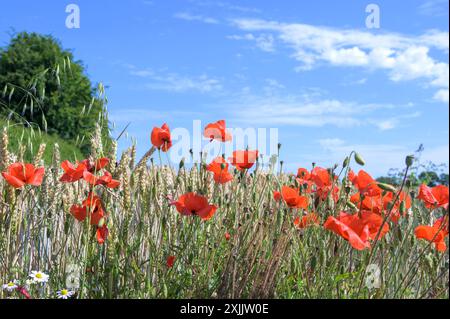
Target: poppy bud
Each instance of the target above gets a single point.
(279, 146)
(351, 205)
(387, 187)
(101, 222)
(409, 160)
(359, 159)
(346, 162)
(223, 166)
(181, 163)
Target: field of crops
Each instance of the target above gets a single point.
(124, 227)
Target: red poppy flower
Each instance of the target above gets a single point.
(342, 227)
(293, 199)
(373, 204)
(74, 173)
(18, 175)
(307, 220)
(373, 221)
(356, 229)
(435, 233)
(105, 180)
(365, 184)
(243, 159)
(303, 174)
(277, 196)
(217, 131)
(395, 210)
(102, 234)
(170, 261)
(324, 183)
(220, 169)
(227, 236)
(321, 177)
(191, 204)
(434, 197)
(93, 205)
(161, 138)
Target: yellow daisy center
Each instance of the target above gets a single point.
(64, 292)
(39, 275)
(10, 284)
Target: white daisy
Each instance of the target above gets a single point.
(39, 276)
(64, 293)
(10, 286)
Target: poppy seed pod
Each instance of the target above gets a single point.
(387, 187)
(359, 159)
(409, 160)
(351, 205)
(181, 163)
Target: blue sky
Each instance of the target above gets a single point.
(312, 69)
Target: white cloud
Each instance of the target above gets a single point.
(442, 95)
(434, 7)
(404, 57)
(393, 122)
(265, 42)
(191, 17)
(309, 110)
(174, 82)
(225, 5)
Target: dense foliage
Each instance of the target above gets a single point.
(42, 85)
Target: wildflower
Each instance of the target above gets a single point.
(19, 175)
(277, 196)
(102, 234)
(219, 167)
(243, 159)
(293, 199)
(73, 276)
(170, 261)
(64, 294)
(191, 204)
(227, 236)
(74, 173)
(356, 229)
(105, 180)
(10, 286)
(303, 174)
(161, 138)
(92, 205)
(217, 131)
(39, 276)
(324, 183)
(307, 220)
(434, 197)
(435, 234)
(365, 184)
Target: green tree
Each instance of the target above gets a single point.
(43, 85)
